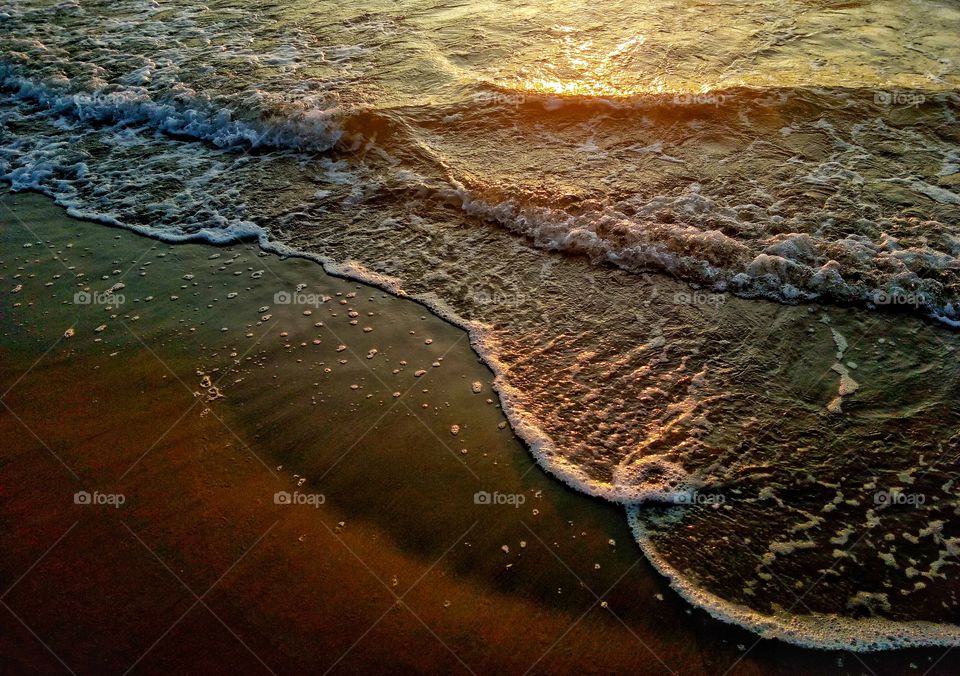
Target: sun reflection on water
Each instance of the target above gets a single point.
(582, 68)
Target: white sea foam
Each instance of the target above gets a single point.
(650, 478)
(303, 128)
(789, 269)
(813, 630)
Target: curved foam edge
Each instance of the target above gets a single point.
(767, 276)
(541, 445)
(814, 630)
(827, 632)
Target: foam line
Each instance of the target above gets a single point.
(828, 632)
(814, 630)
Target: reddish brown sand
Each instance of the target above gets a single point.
(199, 571)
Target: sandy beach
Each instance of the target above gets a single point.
(198, 478)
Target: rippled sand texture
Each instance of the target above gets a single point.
(604, 204)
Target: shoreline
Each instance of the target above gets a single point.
(867, 635)
(579, 497)
(814, 631)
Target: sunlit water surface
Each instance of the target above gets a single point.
(710, 248)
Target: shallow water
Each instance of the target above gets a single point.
(274, 394)
(605, 204)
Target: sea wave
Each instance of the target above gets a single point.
(685, 231)
(653, 479)
(788, 267)
(809, 630)
(303, 126)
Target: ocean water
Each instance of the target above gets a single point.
(712, 250)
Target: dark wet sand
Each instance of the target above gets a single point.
(398, 571)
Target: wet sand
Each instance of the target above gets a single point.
(198, 428)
